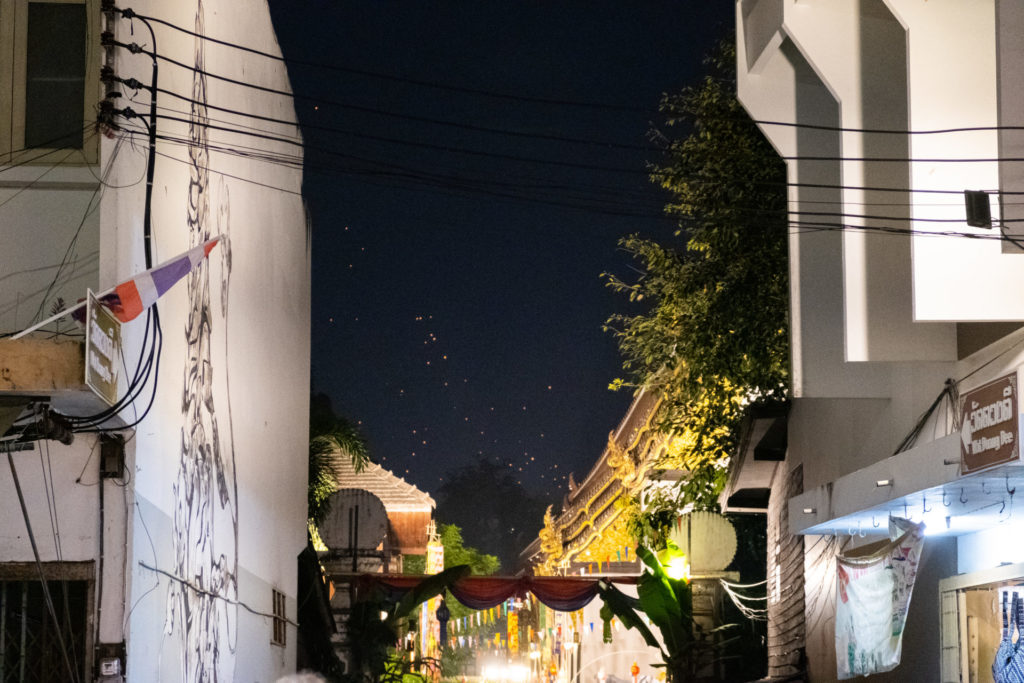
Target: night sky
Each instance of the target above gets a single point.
(459, 236)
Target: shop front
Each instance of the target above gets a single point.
(962, 487)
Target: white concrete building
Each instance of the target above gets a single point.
(179, 564)
(901, 106)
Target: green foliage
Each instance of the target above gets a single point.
(651, 514)
(712, 335)
(373, 639)
(455, 661)
(330, 437)
(455, 553)
(496, 514)
(668, 604)
(414, 564)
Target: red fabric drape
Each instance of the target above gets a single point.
(562, 593)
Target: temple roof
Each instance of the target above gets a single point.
(589, 512)
(396, 493)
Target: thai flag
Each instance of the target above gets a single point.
(132, 297)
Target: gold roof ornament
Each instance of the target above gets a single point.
(591, 519)
(550, 544)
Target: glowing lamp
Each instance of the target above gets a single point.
(676, 564)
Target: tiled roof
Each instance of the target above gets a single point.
(397, 494)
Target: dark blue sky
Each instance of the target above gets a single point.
(457, 302)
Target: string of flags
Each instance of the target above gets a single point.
(620, 556)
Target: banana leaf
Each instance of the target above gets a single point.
(428, 588)
(617, 603)
(660, 602)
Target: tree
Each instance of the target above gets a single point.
(330, 437)
(713, 336)
(456, 554)
(493, 512)
(377, 621)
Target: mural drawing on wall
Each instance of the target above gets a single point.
(205, 491)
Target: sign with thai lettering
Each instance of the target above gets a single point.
(102, 348)
(989, 425)
(513, 633)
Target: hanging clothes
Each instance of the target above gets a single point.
(874, 584)
(1005, 650)
(1008, 666)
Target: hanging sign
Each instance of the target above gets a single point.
(513, 633)
(989, 429)
(102, 347)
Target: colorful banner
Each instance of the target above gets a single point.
(513, 633)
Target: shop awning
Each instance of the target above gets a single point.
(921, 484)
(562, 593)
(762, 445)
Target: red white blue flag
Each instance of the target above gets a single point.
(132, 297)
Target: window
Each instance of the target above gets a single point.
(49, 66)
(31, 645)
(280, 619)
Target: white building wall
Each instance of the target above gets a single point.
(220, 461)
(875, 317)
(78, 532)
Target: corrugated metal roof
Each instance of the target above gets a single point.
(397, 494)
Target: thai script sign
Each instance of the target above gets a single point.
(102, 348)
(989, 429)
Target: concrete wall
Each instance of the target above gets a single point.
(874, 316)
(55, 208)
(220, 460)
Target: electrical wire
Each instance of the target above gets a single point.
(51, 505)
(741, 601)
(419, 144)
(399, 79)
(461, 125)
(530, 184)
(43, 154)
(409, 143)
(561, 102)
(657, 172)
(67, 253)
(39, 177)
(217, 596)
(801, 226)
(226, 149)
(89, 209)
(144, 370)
(42, 574)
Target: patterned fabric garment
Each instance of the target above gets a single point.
(1006, 650)
(1014, 672)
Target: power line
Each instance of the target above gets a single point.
(408, 143)
(129, 113)
(888, 131)
(400, 79)
(622, 191)
(512, 133)
(608, 144)
(562, 102)
(618, 209)
(426, 183)
(72, 672)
